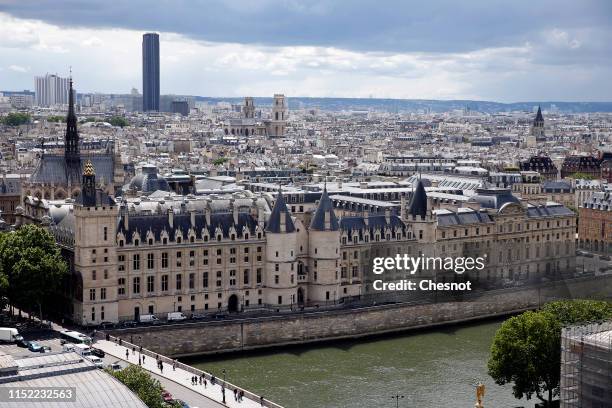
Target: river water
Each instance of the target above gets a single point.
(430, 369)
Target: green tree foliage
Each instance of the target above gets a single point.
(31, 268)
(581, 176)
(56, 118)
(526, 350)
(118, 121)
(142, 384)
(219, 161)
(16, 119)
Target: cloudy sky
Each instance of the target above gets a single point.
(515, 50)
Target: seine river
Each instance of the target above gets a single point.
(432, 369)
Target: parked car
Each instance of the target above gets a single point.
(115, 366)
(176, 316)
(96, 360)
(97, 352)
(167, 396)
(23, 343)
(128, 323)
(198, 316)
(45, 349)
(106, 325)
(35, 347)
(219, 316)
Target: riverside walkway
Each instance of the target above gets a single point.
(182, 375)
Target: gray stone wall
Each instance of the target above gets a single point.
(251, 333)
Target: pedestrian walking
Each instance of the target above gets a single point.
(200, 380)
(127, 354)
(261, 400)
(143, 356)
(141, 349)
(174, 365)
(120, 342)
(139, 361)
(235, 394)
(161, 367)
(133, 350)
(205, 383)
(241, 395)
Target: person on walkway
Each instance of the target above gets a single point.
(127, 354)
(143, 356)
(161, 367)
(139, 361)
(133, 350)
(140, 349)
(213, 380)
(261, 400)
(235, 394)
(174, 365)
(241, 395)
(204, 382)
(200, 380)
(120, 341)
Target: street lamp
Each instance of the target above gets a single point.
(397, 397)
(223, 386)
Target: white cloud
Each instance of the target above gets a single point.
(109, 60)
(18, 68)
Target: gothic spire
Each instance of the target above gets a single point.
(71, 140)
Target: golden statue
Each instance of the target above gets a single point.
(480, 392)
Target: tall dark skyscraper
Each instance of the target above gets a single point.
(150, 72)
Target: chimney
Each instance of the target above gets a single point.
(207, 212)
(234, 209)
(192, 214)
(126, 213)
(254, 209)
(171, 217)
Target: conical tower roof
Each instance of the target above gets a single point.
(539, 117)
(326, 207)
(418, 202)
(276, 217)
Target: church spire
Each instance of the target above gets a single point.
(71, 140)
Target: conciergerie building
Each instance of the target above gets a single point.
(261, 248)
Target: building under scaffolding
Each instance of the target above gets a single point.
(586, 366)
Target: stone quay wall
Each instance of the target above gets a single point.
(233, 335)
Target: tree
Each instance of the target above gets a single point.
(139, 381)
(118, 121)
(16, 119)
(526, 349)
(33, 266)
(56, 118)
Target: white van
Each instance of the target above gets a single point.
(82, 349)
(148, 318)
(10, 334)
(176, 316)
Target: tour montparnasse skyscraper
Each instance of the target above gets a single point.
(150, 72)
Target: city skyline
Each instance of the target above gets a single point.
(498, 52)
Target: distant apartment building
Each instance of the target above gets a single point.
(595, 227)
(150, 72)
(542, 164)
(51, 90)
(583, 165)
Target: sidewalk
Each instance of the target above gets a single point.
(179, 376)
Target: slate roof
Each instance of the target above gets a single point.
(53, 168)
(548, 210)
(446, 217)
(158, 223)
(350, 225)
(274, 222)
(494, 197)
(326, 206)
(418, 202)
